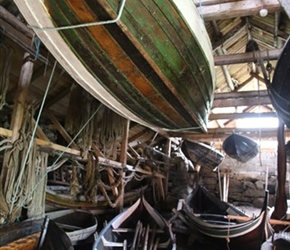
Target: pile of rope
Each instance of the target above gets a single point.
(23, 168)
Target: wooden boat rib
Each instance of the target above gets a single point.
(279, 90)
(224, 232)
(139, 225)
(240, 147)
(202, 154)
(153, 66)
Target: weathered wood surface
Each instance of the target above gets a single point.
(15, 231)
(127, 66)
(26, 243)
(280, 207)
(213, 10)
(132, 227)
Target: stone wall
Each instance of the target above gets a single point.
(246, 181)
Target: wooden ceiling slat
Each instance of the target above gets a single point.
(232, 116)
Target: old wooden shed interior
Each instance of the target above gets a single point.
(67, 143)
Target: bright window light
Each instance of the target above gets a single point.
(270, 122)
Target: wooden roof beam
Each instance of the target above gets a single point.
(246, 57)
(222, 133)
(233, 116)
(241, 94)
(233, 9)
(243, 98)
(19, 33)
(212, 2)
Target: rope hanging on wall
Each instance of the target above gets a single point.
(81, 107)
(17, 187)
(111, 133)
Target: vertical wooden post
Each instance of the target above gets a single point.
(280, 207)
(123, 160)
(225, 185)
(20, 105)
(167, 166)
(21, 98)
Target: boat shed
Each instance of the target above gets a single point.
(100, 100)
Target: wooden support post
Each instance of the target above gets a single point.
(167, 166)
(225, 186)
(20, 102)
(111, 178)
(161, 191)
(280, 207)
(123, 160)
(20, 105)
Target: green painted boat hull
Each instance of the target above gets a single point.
(154, 65)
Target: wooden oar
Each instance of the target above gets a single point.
(245, 218)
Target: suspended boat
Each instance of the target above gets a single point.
(279, 89)
(220, 225)
(53, 237)
(202, 154)
(150, 61)
(78, 224)
(240, 147)
(139, 225)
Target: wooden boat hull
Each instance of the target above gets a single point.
(78, 224)
(202, 154)
(153, 66)
(202, 201)
(53, 237)
(26, 243)
(240, 147)
(12, 232)
(279, 89)
(217, 231)
(277, 241)
(66, 201)
(139, 219)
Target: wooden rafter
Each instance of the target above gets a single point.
(233, 9)
(232, 116)
(243, 98)
(19, 33)
(221, 133)
(246, 57)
